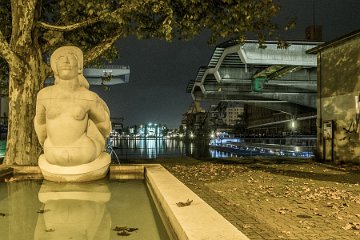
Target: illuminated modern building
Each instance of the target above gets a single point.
(148, 130)
(279, 78)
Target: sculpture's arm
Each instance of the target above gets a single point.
(100, 115)
(40, 122)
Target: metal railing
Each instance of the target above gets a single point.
(298, 146)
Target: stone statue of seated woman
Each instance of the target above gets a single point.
(71, 123)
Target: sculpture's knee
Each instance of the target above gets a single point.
(65, 157)
(58, 157)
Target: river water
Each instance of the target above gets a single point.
(149, 148)
(128, 148)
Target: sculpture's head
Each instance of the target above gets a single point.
(67, 63)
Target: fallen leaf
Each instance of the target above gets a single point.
(123, 233)
(119, 228)
(132, 229)
(184, 204)
(41, 211)
(245, 226)
(348, 226)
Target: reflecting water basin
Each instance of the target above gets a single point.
(47, 210)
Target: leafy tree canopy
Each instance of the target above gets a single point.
(94, 25)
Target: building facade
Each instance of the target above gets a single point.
(338, 135)
(233, 114)
(194, 121)
(269, 123)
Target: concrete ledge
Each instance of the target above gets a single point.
(26, 169)
(18, 173)
(126, 172)
(6, 172)
(194, 222)
(129, 171)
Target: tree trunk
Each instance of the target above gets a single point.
(26, 75)
(25, 80)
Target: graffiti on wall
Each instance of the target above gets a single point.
(339, 88)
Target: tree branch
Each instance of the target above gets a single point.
(6, 52)
(22, 22)
(71, 27)
(99, 49)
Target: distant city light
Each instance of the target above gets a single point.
(293, 124)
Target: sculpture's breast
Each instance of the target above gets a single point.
(79, 113)
(53, 111)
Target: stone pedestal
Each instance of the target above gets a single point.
(94, 170)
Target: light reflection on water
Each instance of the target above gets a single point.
(159, 147)
(74, 211)
(220, 154)
(149, 148)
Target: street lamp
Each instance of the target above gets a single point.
(293, 124)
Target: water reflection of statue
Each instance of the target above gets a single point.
(74, 211)
(71, 122)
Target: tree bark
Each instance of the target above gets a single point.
(26, 77)
(25, 80)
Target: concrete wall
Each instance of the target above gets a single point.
(338, 84)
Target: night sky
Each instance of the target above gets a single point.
(160, 71)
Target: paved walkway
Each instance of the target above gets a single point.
(278, 199)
